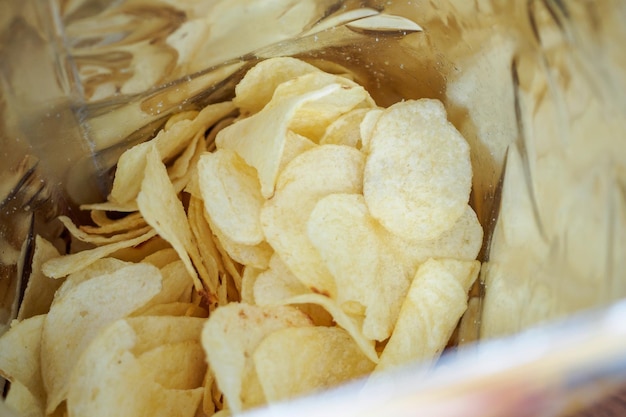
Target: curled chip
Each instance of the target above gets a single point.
(418, 173)
(312, 358)
(352, 245)
(314, 174)
(75, 319)
(257, 87)
(231, 335)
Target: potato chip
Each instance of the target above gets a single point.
(177, 308)
(176, 283)
(203, 236)
(433, 306)
(99, 267)
(463, 241)
(22, 401)
(175, 365)
(295, 144)
(428, 188)
(278, 283)
(105, 225)
(75, 319)
(99, 239)
(154, 331)
(139, 252)
(248, 280)
(351, 323)
(313, 117)
(20, 356)
(312, 175)
(260, 138)
(352, 245)
(232, 196)
(185, 164)
(131, 165)
(40, 289)
(311, 359)
(256, 88)
(65, 265)
(366, 128)
(345, 130)
(162, 209)
(162, 257)
(231, 335)
(175, 118)
(110, 380)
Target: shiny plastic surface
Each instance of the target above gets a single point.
(537, 87)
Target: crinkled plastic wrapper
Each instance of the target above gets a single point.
(538, 89)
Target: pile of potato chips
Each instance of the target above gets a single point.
(257, 250)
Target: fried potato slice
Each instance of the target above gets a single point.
(110, 380)
(428, 188)
(231, 335)
(160, 206)
(75, 319)
(131, 165)
(257, 87)
(352, 245)
(232, 196)
(20, 356)
(311, 359)
(433, 306)
(40, 289)
(314, 174)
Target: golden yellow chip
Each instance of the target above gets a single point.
(463, 241)
(20, 356)
(75, 319)
(256, 88)
(366, 128)
(154, 331)
(40, 289)
(161, 257)
(179, 366)
(131, 165)
(433, 306)
(345, 130)
(65, 265)
(160, 206)
(352, 245)
(277, 283)
(428, 188)
(105, 225)
(99, 239)
(176, 285)
(110, 380)
(313, 117)
(231, 335)
(232, 196)
(352, 323)
(312, 175)
(302, 360)
(176, 308)
(295, 144)
(260, 139)
(20, 400)
(248, 280)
